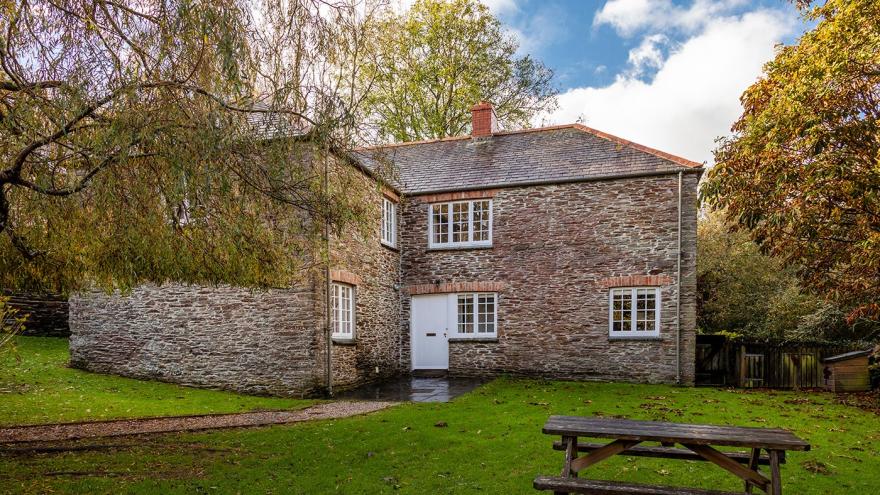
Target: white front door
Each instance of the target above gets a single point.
(429, 332)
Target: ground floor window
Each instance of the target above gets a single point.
(634, 312)
(477, 315)
(343, 311)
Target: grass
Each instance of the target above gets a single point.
(492, 444)
(40, 388)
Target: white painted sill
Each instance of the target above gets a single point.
(636, 337)
(473, 339)
(458, 247)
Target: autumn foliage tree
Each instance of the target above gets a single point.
(175, 140)
(801, 171)
(430, 64)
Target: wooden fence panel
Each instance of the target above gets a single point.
(720, 362)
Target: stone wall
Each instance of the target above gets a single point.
(46, 314)
(554, 249)
(360, 259)
(259, 342)
(265, 342)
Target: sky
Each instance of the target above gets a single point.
(664, 73)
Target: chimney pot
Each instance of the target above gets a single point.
(484, 122)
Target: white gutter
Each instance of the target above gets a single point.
(678, 293)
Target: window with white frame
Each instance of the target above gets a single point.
(389, 222)
(460, 223)
(343, 311)
(634, 312)
(477, 315)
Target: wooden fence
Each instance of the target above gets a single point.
(720, 362)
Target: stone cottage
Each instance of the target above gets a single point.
(558, 252)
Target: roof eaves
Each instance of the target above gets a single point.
(545, 182)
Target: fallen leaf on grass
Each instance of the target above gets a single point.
(816, 467)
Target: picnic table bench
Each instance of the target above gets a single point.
(699, 442)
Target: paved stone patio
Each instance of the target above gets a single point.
(414, 389)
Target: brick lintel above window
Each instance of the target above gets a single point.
(635, 281)
(345, 277)
(458, 196)
(445, 288)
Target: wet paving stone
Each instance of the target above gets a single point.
(414, 389)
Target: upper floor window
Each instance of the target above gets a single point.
(389, 222)
(634, 312)
(460, 223)
(343, 311)
(477, 315)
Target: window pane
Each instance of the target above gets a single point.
(646, 310)
(621, 310)
(460, 222)
(465, 313)
(486, 313)
(440, 219)
(481, 221)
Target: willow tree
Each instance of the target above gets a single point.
(801, 172)
(164, 140)
(430, 64)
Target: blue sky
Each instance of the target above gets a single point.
(584, 51)
(664, 73)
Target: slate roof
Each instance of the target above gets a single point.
(266, 124)
(543, 155)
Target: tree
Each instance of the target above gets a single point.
(742, 290)
(177, 140)
(431, 64)
(801, 171)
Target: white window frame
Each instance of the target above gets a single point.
(388, 230)
(470, 220)
(340, 311)
(632, 332)
(475, 298)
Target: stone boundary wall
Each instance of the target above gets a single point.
(257, 342)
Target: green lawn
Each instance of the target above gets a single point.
(492, 444)
(42, 389)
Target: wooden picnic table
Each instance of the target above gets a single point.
(699, 442)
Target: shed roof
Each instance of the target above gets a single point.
(846, 356)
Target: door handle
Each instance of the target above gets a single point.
(431, 334)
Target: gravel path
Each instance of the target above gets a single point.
(73, 431)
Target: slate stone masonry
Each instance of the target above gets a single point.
(259, 342)
(554, 250)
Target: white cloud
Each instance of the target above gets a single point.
(647, 55)
(630, 16)
(694, 95)
(499, 7)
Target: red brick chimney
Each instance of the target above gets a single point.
(483, 120)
